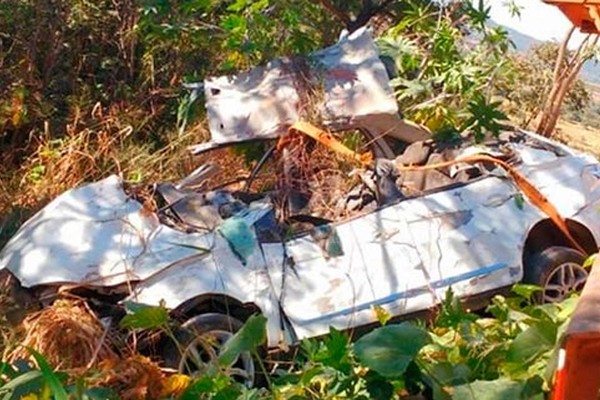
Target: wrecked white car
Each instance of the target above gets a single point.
(398, 239)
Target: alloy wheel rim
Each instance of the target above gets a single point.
(204, 350)
(565, 279)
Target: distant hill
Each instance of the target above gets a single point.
(589, 73)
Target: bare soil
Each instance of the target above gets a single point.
(579, 137)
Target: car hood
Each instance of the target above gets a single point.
(98, 235)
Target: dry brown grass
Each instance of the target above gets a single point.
(68, 334)
(579, 137)
(103, 143)
(97, 143)
(72, 339)
(135, 377)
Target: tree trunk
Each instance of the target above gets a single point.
(566, 69)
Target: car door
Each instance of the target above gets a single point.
(470, 237)
(338, 273)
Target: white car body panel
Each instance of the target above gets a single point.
(402, 257)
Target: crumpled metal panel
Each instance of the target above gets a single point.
(96, 235)
(265, 101)
(85, 233)
(402, 257)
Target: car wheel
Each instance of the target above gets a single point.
(558, 271)
(199, 343)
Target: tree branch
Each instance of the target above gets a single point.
(562, 53)
(339, 14)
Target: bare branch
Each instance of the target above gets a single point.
(562, 53)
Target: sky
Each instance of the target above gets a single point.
(538, 20)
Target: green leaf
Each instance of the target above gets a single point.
(142, 316)
(382, 315)
(334, 352)
(50, 377)
(390, 349)
(29, 382)
(238, 6)
(7, 370)
(519, 200)
(94, 393)
(204, 384)
(499, 389)
(538, 338)
(525, 291)
(380, 389)
(452, 313)
(248, 338)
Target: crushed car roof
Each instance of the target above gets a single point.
(345, 86)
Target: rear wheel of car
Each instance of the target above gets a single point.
(200, 342)
(558, 271)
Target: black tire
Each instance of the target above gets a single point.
(205, 334)
(558, 271)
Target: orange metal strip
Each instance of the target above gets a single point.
(328, 140)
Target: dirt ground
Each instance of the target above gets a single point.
(579, 137)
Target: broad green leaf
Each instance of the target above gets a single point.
(141, 316)
(248, 338)
(526, 291)
(535, 340)
(567, 307)
(390, 349)
(50, 377)
(449, 375)
(499, 389)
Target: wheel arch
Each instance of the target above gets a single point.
(545, 234)
(215, 303)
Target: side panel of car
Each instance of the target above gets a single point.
(325, 280)
(339, 273)
(404, 257)
(217, 271)
(471, 236)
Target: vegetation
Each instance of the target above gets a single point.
(446, 79)
(528, 85)
(566, 68)
(508, 353)
(92, 88)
